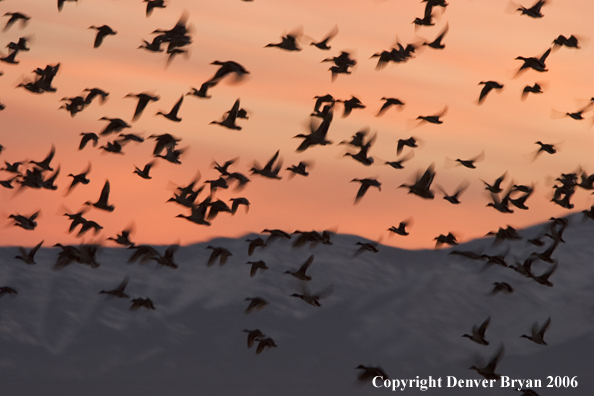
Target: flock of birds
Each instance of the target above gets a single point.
(36, 175)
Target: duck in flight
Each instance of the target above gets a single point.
(536, 89)
(143, 100)
(118, 291)
(433, 119)
(290, 42)
(172, 115)
(230, 117)
(537, 333)
(103, 198)
(478, 333)
(534, 11)
(102, 32)
(537, 64)
(365, 184)
(14, 17)
(453, 199)
(389, 102)
(28, 257)
(422, 184)
(437, 44)
(401, 229)
(488, 86)
(488, 371)
(323, 45)
(469, 163)
(301, 272)
(267, 170)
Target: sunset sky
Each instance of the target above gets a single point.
(483, 40)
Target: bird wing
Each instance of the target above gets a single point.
(104, 193)
(176, 107)
(268, 165)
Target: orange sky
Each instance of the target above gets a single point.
(481, 44)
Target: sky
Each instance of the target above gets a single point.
(482, 43)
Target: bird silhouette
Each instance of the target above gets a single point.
(102, 32)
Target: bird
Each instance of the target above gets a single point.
(536, 88)
(227, 68)
(138, 303)
(268, 171)
(275, 234)
(398, 163)
(389, 102)
(449, 239)
(469, 163)
(7, 290)
(45, 164)
(152, 4)
(453, 199)
(102, 32)
(299, 169)
(478, 333)
(218, 253)
(422, 184)
(230, 117)
(237, 202)
(571, 42)
(256, 304)
(369, 373)
(488, 371)
(301, 272)
(143, 100)
(537, 333)
(496, 187)
(401, 229)
(11, 58)
(437, 44)
(254, 243)
(434, 119)
(27, 223)
(290, 42)
(123, 238)
(172, 115)
(323, 45)
(14, 17)
(144, 173)
(365, 184)
(502, 287)
(410, 142)
(80, 178)
(28, 257)
(534, 11)
(115, 125)
(264, 343)
(544, 278)
(313, 299)
(255, 266)
(254, 335)
(203, 91)
(350, 104)
(95, 93)
(61, 3)
(103, 198)
(366, 247)
(317, 135)
(487, 87)
(537, 64)
(88, 137)
(119, 290)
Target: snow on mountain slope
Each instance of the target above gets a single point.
(403, 310)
